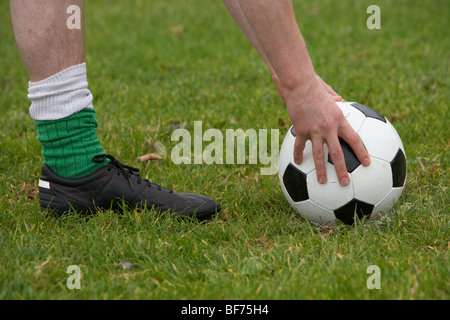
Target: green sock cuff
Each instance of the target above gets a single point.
(69, 144)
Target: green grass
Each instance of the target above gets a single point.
(153, 64)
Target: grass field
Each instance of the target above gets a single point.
(153, 65)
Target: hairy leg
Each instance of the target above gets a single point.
(45, 43)
(61, 102)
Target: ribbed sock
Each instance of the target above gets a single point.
(69, 144)
(66, 122)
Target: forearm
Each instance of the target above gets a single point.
(238, 15)
(275, 29)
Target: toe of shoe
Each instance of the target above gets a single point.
(202, 208)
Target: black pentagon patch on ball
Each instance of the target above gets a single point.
(295, 182)
(369, 112)
(351, 161)
(347, 212)
(398, 166)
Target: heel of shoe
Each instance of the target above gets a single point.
(56, 202)
(49, 200)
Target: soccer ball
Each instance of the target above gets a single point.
(372, 191)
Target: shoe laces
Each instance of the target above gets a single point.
(127, 171)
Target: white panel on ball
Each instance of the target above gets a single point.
(386, 204)
(354, 117)
(372, 183)
(315, 213)
(377, 137)
(330, 195)
(287, 155)
(399, 140)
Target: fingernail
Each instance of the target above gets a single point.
(344, 181)
(322, 180)
(366, 161)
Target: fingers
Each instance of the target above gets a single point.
(329, 89)
(319, 160)
(336, 154)
(335, 151)
(299, 146)
(318, 156)
(354, 141)
(334, 95)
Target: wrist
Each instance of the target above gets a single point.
(297, 90)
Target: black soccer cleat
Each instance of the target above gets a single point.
(114, 185)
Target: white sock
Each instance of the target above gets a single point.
(60, 95)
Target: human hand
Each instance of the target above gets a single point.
(316, 117)
(336, 97)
